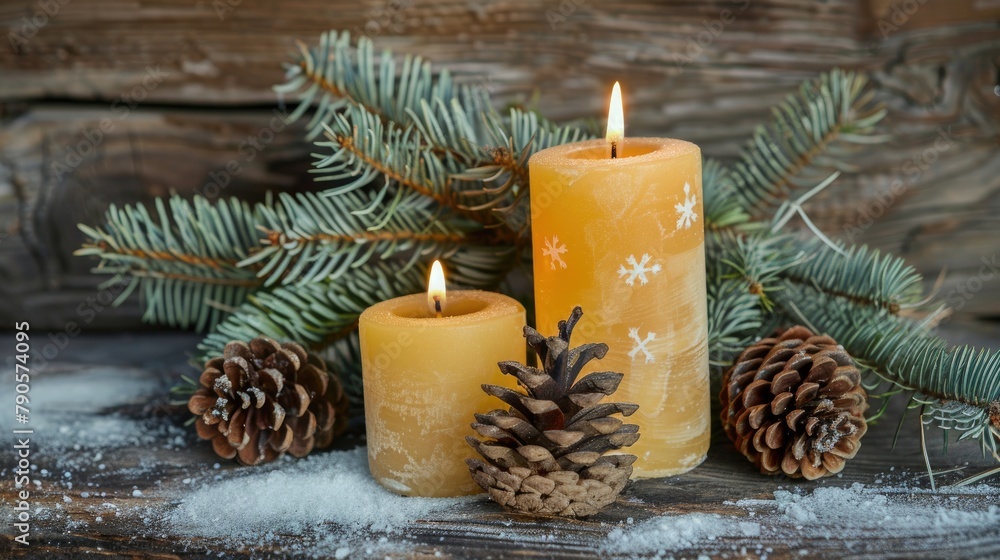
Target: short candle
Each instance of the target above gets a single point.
(622, 237)
(422, 376)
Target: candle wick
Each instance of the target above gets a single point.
(437, 306)
(614, 150)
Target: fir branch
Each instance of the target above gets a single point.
(336, 73)
(363, 148)
(862, 275)
(343, 355)
(836, 106)
(758, 260)
(189, 279)
(275, 237)
(734, 318)
(418, 129)
(311, 238)
(99, 246)
(184, 256)
(723, 209)
(312, 314)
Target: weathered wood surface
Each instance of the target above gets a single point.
(147, 154)
(212, 75)
(136, 371)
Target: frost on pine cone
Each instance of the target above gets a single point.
(795, 405)
(263, 399)
(546, 454)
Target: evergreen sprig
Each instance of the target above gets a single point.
(314, 314)
(859, 274)
(185, 255)
(421, 167)
(418, 128)
(835, 107)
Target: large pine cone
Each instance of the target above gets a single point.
(795, 405)
(262, 399)
(546, 454)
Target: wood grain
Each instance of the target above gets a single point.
(147, 154)
(936, 74)
(134, 527)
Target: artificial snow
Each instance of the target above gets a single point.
(322, 497)
(677, 532)
(833, 512)
(859, 514)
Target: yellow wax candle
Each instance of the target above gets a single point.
(623, 238)
(422, 383)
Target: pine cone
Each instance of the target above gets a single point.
(262, 399)
(545, 455)
(795, 404)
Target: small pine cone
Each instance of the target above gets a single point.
(263, 399)
(545, 454)
(581, 485)
(795, 404)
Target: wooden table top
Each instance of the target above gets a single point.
(115, 469)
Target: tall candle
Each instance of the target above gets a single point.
(422, 378)
(623, 238)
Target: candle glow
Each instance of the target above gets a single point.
(437, 292)
(616, 117)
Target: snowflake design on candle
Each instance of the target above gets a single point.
(553, 249)
(686, 210)
(638, 270)
(640, 345)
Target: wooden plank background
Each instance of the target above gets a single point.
(198, 76)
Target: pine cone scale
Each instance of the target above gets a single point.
(236, 432)
(201, 402)
(281, 439)
(784, 381)
(774, 436)
(326, 416)
(781, 403)
(222, 447)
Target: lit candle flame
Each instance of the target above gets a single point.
(616, 120)
(436, 291)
